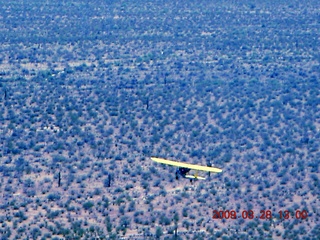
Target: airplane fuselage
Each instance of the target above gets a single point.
(182, 172)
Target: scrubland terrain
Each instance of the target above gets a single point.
(90, 91)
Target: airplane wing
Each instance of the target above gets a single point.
(186, 165)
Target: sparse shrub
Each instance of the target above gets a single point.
(87, 205)
(54, 196)
(185, 212)
(158, 233)
(53, 214)
(164, 220)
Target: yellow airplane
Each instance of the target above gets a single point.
(184, 168)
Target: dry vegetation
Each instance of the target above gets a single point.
(90, 91)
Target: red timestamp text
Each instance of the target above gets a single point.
(263, 214)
